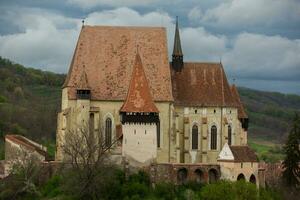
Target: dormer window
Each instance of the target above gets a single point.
(83, 94)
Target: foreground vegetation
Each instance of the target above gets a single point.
(113, 184)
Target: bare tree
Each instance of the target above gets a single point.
(24, 176)
(90, 163)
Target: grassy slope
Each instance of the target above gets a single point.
(30, 99)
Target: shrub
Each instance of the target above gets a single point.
(245, 190)
(219, 190)
(166, 191)
(53, 187)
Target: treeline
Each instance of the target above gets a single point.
(13, 75)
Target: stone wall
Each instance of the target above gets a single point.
(272, 173)
(180, 173)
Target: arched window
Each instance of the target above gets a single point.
(158, 134)
(213, 138)
(212, 176)
(199, 176)
(252, 179)
(108, 132)
(241, 177)
(229, 135)
(91, 126)
(182, 175)
(195, 137)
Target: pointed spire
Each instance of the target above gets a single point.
(177, 56)
(177, 44)
(139, 97)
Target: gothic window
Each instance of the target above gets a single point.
(158, 134)
(229, 135)
(213, 139)
(195, 137)
(108, 132)
(91, 123)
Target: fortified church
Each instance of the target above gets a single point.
(179, 118)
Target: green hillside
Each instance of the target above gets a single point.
(30, 99)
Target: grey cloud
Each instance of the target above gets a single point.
(48, 41)
(264, 57)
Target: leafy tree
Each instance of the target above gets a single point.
(291, 173)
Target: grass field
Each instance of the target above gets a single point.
(268, 151)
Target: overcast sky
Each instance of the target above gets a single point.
(258, 41)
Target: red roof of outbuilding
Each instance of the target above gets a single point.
(139, 98)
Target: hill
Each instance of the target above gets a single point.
(30, 99)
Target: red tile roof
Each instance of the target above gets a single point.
(107, 56)
(83, 81)
(241, 111)
(202, 84)
(139, 97)
(243, 154)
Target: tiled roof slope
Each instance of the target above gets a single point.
(241, 111)
(83, 81)
(243, 154)
(201, 84)
(107, 55)
(139, 98)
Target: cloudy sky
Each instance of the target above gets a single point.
(258, 41)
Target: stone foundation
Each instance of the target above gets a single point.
(181, 173)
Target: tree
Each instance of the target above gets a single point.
(91, 169)
(291, 173)
(23, 180)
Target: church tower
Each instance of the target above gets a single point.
(177, 56)
(139, 118)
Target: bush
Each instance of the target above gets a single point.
(53, 187)
(219, 190)
(245, 190)
(166, 191)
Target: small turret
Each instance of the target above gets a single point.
(177, 56)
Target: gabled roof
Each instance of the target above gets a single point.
(237, 153)
(177, 44)
(107, 55)
(241, 111)
(201, 84)
(139, 97)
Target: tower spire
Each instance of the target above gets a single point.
(177, 56)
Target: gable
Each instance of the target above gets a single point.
(226, 153)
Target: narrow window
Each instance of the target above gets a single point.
(213, 139)
(195, 137)
(229, 135)
(108, 132)
(158, 134)
(91, 125)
